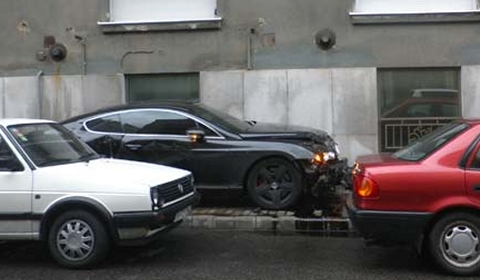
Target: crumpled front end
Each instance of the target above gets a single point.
(327, 176)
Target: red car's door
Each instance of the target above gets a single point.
(472, 176)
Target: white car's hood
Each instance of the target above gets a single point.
(106, 175)
(146, 173)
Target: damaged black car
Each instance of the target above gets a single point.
(276, 165)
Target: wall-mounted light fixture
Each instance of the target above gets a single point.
(51, 49)
(325, 39)
(57, 52)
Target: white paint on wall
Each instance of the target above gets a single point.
(63, 96)
(342, 102)
(265, 96)
(470, 85)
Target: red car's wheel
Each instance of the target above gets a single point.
(454, 243)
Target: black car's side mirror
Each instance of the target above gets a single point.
(196, 135)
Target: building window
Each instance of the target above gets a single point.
(378, 11)
(413, 102)
(158, 87)
(154, 15)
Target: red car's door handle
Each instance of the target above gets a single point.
(476, 188)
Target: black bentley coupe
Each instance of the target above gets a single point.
(275, 164)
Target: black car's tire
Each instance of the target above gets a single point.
(77, 239)
(274, 183)
(454, 243)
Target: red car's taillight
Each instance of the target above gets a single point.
(365, 187)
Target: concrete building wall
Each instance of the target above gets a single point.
(315, 98)
(342, 101)
(470, 91)
(67, 96)
(281, 33)
(62, 96)
(20, 97)
(262, 63)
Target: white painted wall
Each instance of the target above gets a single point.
(21, 99)
(470, 86)
(63, 96)
(342, 102)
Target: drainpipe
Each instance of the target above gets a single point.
(39, 93)
(84, 58)
(83, 43)
(249, 48)
(2, 91)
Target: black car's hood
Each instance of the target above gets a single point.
(259, 131)
(267, 129)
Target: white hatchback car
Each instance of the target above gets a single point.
(56, 189)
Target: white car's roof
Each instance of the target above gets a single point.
(15, 121)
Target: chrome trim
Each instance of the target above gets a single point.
(20, 236)
(177, 200)
(195, 118)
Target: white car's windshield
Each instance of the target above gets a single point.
(48, 144)
(430, 142)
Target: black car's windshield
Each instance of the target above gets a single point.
(222, 120)
(48, 144)
(430, 142)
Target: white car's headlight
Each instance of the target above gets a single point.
(155, 196)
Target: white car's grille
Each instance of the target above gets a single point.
(176, 189)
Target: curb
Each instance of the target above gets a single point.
(278, 222)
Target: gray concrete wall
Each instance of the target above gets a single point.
(470, 84)
(340, 101)
(281, 34)
(62, 96)
(281, 76)
(68, 96)
(20, 96)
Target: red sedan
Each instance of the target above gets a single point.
(427, 195)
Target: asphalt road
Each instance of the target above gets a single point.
(206, 254)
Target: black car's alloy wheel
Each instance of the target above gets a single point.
(78, 239)
(274, 183)
(454, 243)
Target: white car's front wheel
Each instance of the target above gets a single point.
(77, 239)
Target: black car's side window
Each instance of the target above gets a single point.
(156, 122)
(109, 123)
(208, 131)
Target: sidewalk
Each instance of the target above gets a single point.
(278, 222)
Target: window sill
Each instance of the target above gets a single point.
(148, 26)
(385, 18)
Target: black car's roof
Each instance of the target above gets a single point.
(185, 106)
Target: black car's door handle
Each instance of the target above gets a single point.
(476, 188)
(133, 147)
